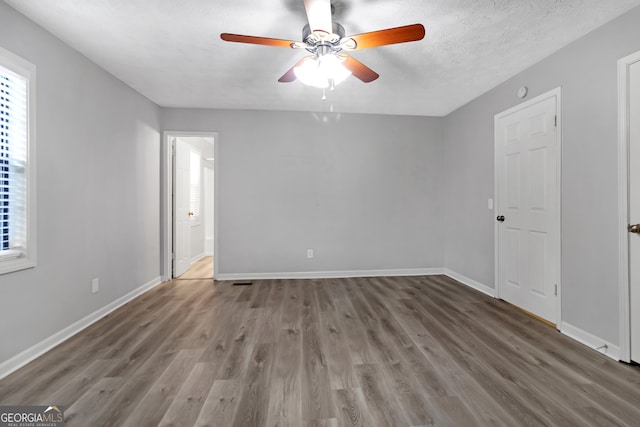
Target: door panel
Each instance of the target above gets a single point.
(537, 261)
(527, 190)
(537, 189)
(513, 257)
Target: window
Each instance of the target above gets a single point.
(194, 206)
(17, 177)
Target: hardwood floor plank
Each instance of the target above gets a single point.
(340, 367)
(353, 328)
(325, 302)
(317, 402)
(220, 405)
(383, 410)
(259, 293)
(380, 344)
(409, 394)
(329, 422)
(277, 296)
(351, 408)
(232, 325)
(186, 406)
(162, 393)
(291, 312)
(74, 388)
(83, 411)
(268, 325)
(253, 406)
(451, 411)
(285, 405)
(240, 350)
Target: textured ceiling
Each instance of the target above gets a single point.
(171, 52)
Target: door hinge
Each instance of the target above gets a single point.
(555, 121)
(173, 256)
(555, 290)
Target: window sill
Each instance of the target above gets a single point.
(10, 254)
(14, 260)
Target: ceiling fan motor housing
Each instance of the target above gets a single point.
(318, 39)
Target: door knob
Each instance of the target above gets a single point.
(190, 213)
(500, 218)
(635, 228)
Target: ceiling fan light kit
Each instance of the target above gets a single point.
(322, 71)
(329, 64)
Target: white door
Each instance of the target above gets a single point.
(527, 184)
(634, 206)
(182, 215)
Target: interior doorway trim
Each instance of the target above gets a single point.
(557, 92)
(623, 204)
(167, 204)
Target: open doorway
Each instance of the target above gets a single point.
(189, 218)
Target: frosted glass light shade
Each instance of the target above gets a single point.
(319, 71)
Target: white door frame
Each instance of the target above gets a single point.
(623, 205)
(167, 205)
(557, 222)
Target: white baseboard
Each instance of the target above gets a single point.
(26, 356)
(470, 282)
(331, 274)
(590, 340)
(198, 257)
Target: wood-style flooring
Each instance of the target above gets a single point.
(393, 351)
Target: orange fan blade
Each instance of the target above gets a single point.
(290, 75)
(319, 15)
(239, 38)
(408, 33)
(358, 69)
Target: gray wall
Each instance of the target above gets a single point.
(98, 176)
(586, 71)
(363, 191)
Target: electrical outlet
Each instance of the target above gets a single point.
(309, 253)
(95, 285)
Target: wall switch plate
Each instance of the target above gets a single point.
(490, 204)
(95, 285)
(309, 253)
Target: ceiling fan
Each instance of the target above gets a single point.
(329, 64)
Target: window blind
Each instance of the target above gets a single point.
(13, 161)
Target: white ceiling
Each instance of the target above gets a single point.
(171, 52)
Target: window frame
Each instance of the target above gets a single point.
(11, 261)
